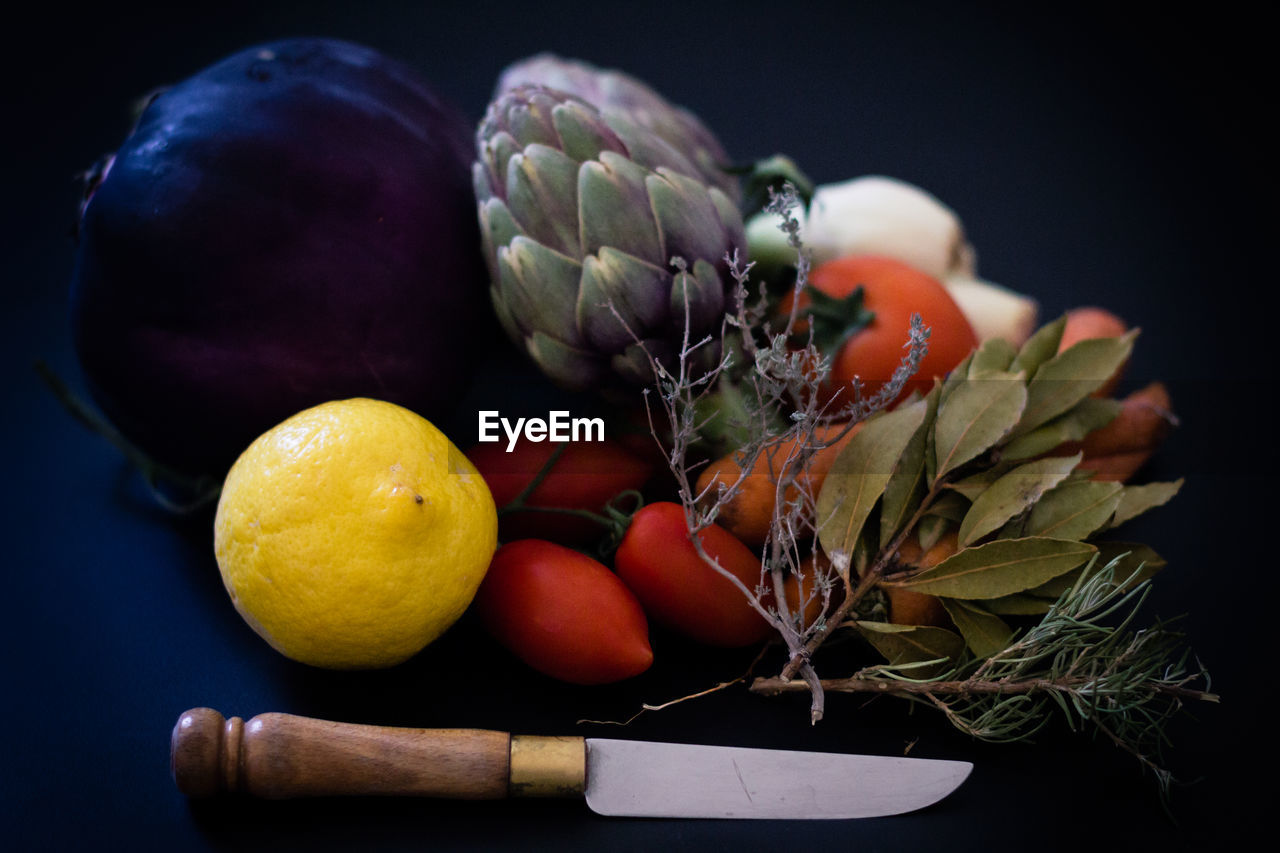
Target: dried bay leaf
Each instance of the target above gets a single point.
(930, 530)
(957, 376)
(1053, 589)
(1015, 528)
(1019, 604)
(1133, 563)
(984, 632)
(1013, 493)
(976, 484)
(1135, 500)
(1000, 568)
(1079, 475)
(951, 506)
(1089, 414)
(905, 491)
(1075, 510)
(913, 643)
(992, 358)
(860, 474)
(931, 454)
(862, 552)
(1070, 376)
(1132, 558)
(978, 414)
(1040, 347)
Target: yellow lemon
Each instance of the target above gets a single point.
(353, 534)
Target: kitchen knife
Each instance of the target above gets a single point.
(282, 756)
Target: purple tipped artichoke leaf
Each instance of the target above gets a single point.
(616, 95)
(638, 202)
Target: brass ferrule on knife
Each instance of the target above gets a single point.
(548, 766)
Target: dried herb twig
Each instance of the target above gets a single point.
(973, 460)
(784, 378)
(1125, 684)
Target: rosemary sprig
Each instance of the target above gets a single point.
(1081, 662)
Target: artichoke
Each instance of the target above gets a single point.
(613, 92)
(583, 210)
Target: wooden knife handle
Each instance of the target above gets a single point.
(280, 756)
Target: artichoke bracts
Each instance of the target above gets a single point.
(583, 209)
(614, 92)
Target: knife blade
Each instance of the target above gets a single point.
(281, 756)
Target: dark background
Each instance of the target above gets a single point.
(1110, 156)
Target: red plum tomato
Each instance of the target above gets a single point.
(658, 561)
(564, 614)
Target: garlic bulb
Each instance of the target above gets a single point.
(885, 216)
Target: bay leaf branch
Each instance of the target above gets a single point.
(999, 568)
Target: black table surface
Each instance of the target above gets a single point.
(1098, 155)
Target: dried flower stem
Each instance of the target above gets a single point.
(867, 582)
(783, 385)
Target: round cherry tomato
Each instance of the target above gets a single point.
(657, 560)
(585, 476)
(892, 291)
(564, 614)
